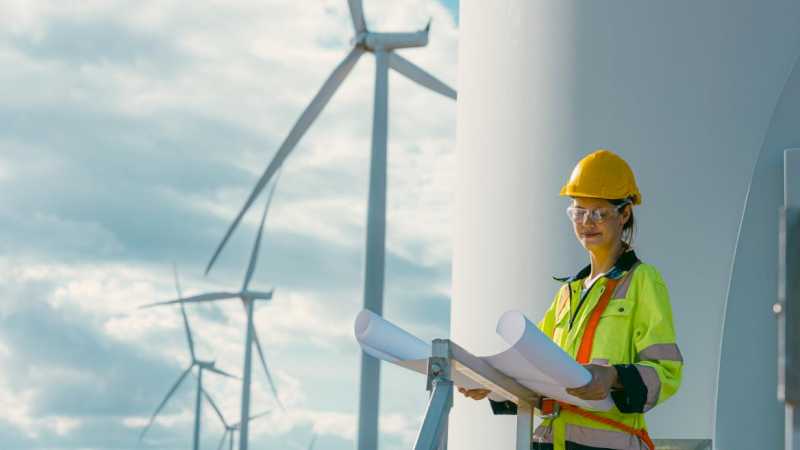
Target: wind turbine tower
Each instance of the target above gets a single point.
(230, 428)
(200, 364)
(383, 46)
(248, 298)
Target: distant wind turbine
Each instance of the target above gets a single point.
(201, 366)
(248, 298)
(230, 429)
(382, 45)
(311, 444)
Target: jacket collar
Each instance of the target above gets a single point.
(624, 263)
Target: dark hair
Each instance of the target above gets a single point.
(628, 229)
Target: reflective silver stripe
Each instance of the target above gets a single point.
(543, 434)
(622, 288)
(593, 437)
(600, 362)
(653, 383)
(663, 352)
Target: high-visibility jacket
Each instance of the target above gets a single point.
(635, 334)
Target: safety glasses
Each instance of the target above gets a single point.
(597, 215)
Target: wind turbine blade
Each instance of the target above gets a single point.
(258, 295)
(251, 267)
(216, 408)
(261, 414)
(266, 370)
(418, 75)
(197, 298)
(222, 441)
(183, 311)
(357, 14)
(164, 402)
(221, 372)
(298, 130)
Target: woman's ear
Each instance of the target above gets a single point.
(626, 214)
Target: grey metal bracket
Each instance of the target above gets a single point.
(446, 359)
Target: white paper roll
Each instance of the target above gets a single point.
(540, 351)
(385, 338)
(532, 359)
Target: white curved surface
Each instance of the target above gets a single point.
(685, 91)
(385, 340)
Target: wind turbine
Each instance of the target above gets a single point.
(230, 429)
(311, 444)
(248, 298)
(201, 366)
(382, 45)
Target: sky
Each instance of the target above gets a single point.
(131, 133)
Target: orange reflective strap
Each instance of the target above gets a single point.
(587, 341)
(641, 433)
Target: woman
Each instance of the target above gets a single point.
(613, 316)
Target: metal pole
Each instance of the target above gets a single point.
(524, 426)
(374, 261)
(248, 355)
(432, 435)
(198, 408)
(445, 427)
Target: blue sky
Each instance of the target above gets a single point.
(131, 134)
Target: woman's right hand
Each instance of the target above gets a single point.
(475, 394)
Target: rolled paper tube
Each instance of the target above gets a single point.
(540, 351)
(386, 338)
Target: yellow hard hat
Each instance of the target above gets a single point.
(602, 174)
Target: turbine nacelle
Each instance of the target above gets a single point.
(248, 295)
(206, 364)
(392, 41)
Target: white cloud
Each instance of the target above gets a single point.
(251, 66)
(17, 411)
(64, 425)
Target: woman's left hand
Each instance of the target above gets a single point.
(603, 378)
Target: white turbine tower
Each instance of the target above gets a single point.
(382, 45)
(230, 429)
(248, 297)
(201, 366)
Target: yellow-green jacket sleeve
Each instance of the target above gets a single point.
(655, 374)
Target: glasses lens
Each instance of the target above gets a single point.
(600, 215)
(576, 214)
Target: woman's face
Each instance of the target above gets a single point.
(604, 235)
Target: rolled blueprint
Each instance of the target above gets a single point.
(532, 359)
(385, 340)
(388, 342)
(537, 363)
(539, 350)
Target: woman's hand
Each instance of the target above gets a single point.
(475, 394)
(603, 379)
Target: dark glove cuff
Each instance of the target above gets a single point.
(633, 395)
(506, 407)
